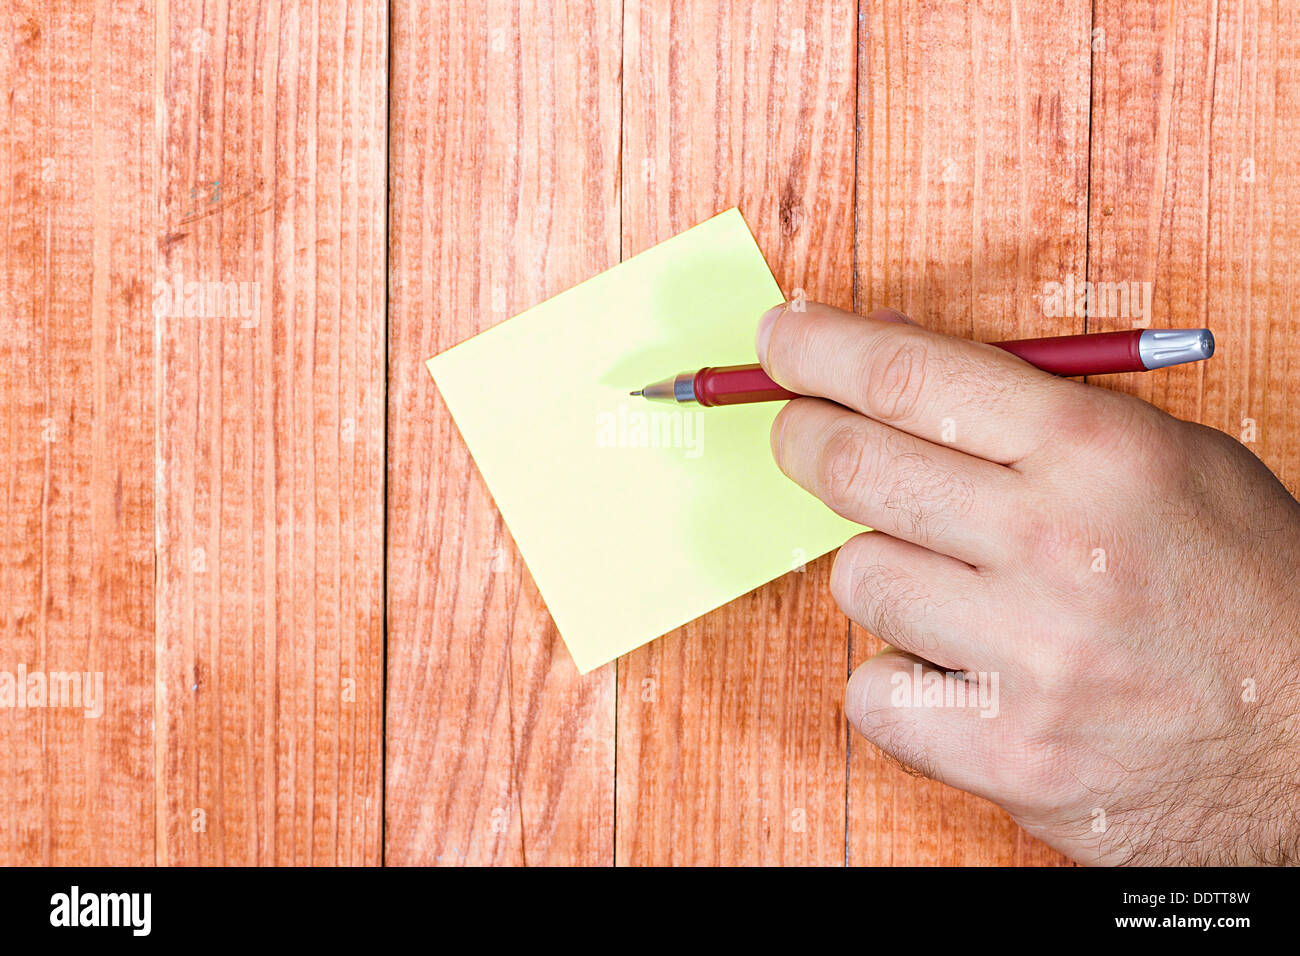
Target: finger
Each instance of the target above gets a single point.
(924, 603)
(977, 398)
(928, 494)
(949, 735)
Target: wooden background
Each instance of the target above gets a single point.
(318, 642)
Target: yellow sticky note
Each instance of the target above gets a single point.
(636, 517)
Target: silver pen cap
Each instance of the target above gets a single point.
(1158, 348)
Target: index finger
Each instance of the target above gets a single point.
(977, 398)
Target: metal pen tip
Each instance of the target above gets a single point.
(637, 392)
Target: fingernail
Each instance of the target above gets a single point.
(765, 330)
(891, 315)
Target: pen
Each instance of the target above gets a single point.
(1100, 353)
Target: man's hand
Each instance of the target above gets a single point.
(1120, 588)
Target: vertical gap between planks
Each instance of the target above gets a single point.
(848, 623)
(383, 532)
(1087, 189)
(162, 29)
(618, 188)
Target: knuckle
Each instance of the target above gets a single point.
(923, 492)
(1009, 774)
(891, 605)
(1028, 772)
(1055, 673)
(898, 612)
(896, 373)
(842, 467)
(1055, 540)
(1073, 418)
(1111, 430)
(1052, 675)
(1136, 436)
(1059, 667)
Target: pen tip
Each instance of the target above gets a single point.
(637, 392)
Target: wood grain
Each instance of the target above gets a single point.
(504, 191)
(1196, 189)
(731, 736)
(226, 514)
(270, 435)
(76, 429)
(972, 193)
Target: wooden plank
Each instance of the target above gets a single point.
(76, 429)
(972, 193)
(505, 191)
(1196, 188)
(731, 733)
(270, 437)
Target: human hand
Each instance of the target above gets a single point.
(1127, 583)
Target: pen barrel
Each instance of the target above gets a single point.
(1097, 353)
(737, 385)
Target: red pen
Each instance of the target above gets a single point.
(1100, 353)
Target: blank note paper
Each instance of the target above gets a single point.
(636, 517)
